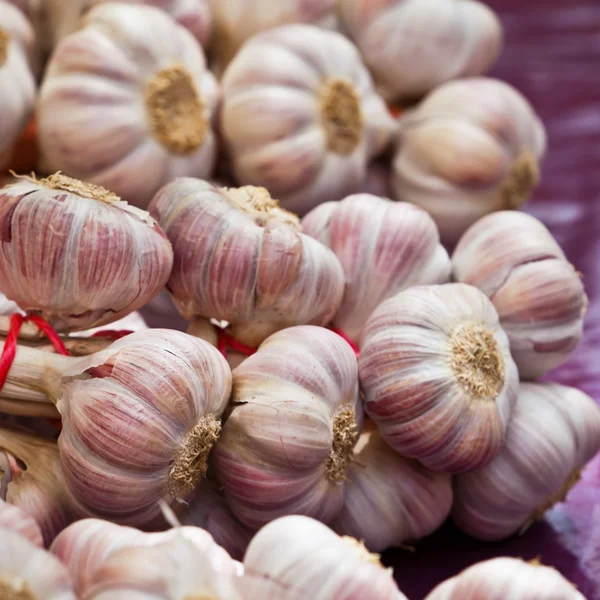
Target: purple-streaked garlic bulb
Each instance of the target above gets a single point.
(17, 81)
(17, 520)
(391, 500)
(540, 298)
(507, 577)
(288, 442)
(437, 376)
(128, 103)
(30, 573)
(307, 557)
(412, 46)
(31, 479)
(139, 418)
(242, 259)
(472, 147)
(384, 248)
(76, 254)
(301, 117)
(553, 433)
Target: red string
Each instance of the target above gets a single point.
(226, 341)
(396, 110)
(345, 337)
(112, 334)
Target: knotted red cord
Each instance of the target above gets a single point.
(112, 334)
(350, 342)
(226, 341)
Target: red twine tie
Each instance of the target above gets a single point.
(227, 342)
(112, 334)
(350, 342)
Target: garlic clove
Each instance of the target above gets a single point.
(15, 519)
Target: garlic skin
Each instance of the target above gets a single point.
(300, 116)
(242, 259)
(288, 441)
(437, 376)
(471, 147)
(513, 259)
(7, 307)
(76, 254)
(413, 46)
(501, 578)
(17, 82)
(553, 433)
(308, 558)
(14, 519)
(384, 247)
(390, 500)
(128, 94)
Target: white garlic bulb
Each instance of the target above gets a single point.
(128, 103)
(472, 147)
(553, 433)
(437, 376)
(300, 116)
(17, 520)
(412, 46)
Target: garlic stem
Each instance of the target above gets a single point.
(28, 409)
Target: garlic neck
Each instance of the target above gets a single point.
(522, 178)
(345, 435)
(13, 588)
(4, 45)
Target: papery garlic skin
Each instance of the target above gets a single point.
(539, 296)
(7, 307)
(412, 46)
(308, 558)
(288, 441)
(437, 376)
(241, 259)
(300, 116)
(553, 433)
(472, 147)
(14, 519)
(128, 103)
(384, 247)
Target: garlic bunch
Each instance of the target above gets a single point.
(15, 519)
(300, 116)
(128, 103)
(437, 376)
(139, 418)
(503, 578)
(389, 499)
(383, 246)
(554, 432)
(308, 558)
(470, 148)
(288, 442)
(76, 254)
(412, 46)
(539, 296)
(242, 259)
(17, 82)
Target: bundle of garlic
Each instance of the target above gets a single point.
(383, 246)
(470, 148)
(437, 376)
(76, 254)
(300, 116)
(127, 94)
(412, 46)
(390, 500)
(306, 556)
(539, 296)
(31, 479)
(287, 444)
(14, 519)
(17, 82)
(242, 259)
(503, 578)
(139, 418)
(554, 432)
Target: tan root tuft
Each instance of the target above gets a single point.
(345, 435)
(559, 496)
(522, 178)
(15, 589)
(4, 44)
(61, 182)
(362, 551)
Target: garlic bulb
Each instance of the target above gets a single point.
(300, 116)
(76, 254)
(14, 519)
(306, 556)
(470, 148)
(502, 578)
(412, 46)
(384, 247)
(391, 500)
(240, 258)
(139, 418)
(288, 442)
(17, 82)
(437, 376)
(554, 432)
(30, 573)
(539, 296)
(128, 103)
